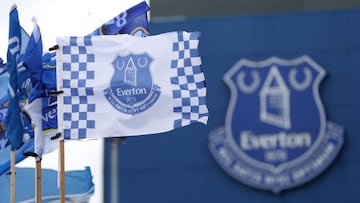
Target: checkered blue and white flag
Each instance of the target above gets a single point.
(122, 85)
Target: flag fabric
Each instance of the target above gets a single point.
(45, 143)
(49, 105)
(79, 186)
(14, 126)
(3, 67)
(3, 140)
(4, 80)
(133, 21)
(5, 148)
(33, 63)
(18, 129)
(122, 85)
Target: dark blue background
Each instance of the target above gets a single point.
(177, 167)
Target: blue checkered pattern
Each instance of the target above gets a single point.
(75, 78)
(189, 82)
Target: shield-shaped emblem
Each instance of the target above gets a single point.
(131, 82)
(131, 85)
(275, 117)
(276, 135)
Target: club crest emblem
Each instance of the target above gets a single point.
(131, 88)
(276, 135)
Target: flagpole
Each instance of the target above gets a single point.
(38, 181)
(114, 171)
(62, 170)
(12, 176)
(38, 188)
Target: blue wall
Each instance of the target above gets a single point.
(177, 167)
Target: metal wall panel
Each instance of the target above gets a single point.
(177, 166)
(166, 8)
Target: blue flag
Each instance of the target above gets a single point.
(49, 103)
(14, 129)
(18, 129)
(3, 140)
(79, 186)
(3, 67)
(5, 147)
(33, 63)
(4, 80)
(132, 21)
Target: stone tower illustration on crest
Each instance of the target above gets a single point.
(130, 75)
(275, 100)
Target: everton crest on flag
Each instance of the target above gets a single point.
(131, 88)
(121, 85)
(276, 135)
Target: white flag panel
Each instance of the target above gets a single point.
(123, 85)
